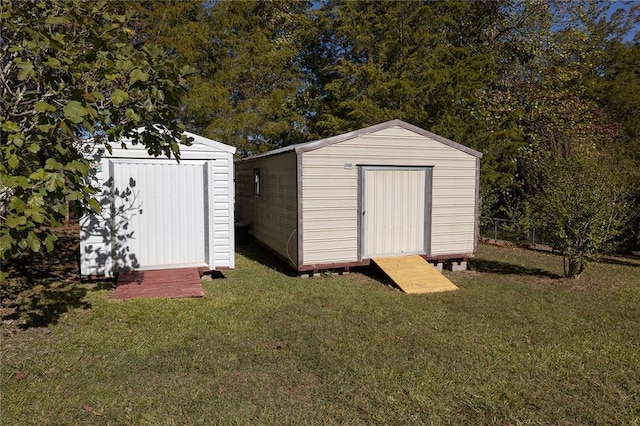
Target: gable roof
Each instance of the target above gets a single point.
(200, 147)
(199, 143)
(313, 145)
(210, 143)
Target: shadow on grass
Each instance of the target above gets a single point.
(41, 287)
(627, 260)
(256, 252)
(503, 268)
(263, 256)
(374, 272)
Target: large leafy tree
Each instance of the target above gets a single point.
(73, 69)
(618, 93)
(565, 145)
(257, 70)
(420, 61)
(583, 202)
(575, 185)
(249, 77)
(434, 64)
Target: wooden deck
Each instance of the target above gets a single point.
(414, 275)
(172, 283)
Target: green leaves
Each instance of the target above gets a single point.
(118, 97)
(52, 164)
(72, 72)
(13, 161)
(10, 126)
(74, 111)
(138, 75)
(26, 70)
(56, 20)
(33, 242)
(53, 63)
(35, 214)
(95, 205)
(132, 115)
(44, 106)
(124, 64)
(54, 182)
(15, 221)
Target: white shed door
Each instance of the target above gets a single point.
(159, 217)
(394, 211)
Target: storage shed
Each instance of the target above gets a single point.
(387, 190)
(158, 213)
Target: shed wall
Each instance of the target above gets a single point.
(273, 216)
(95, 228)
(99, 246)
(223, 211)
(330, 192)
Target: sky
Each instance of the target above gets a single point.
(627, 5)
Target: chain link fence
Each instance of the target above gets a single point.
(505, 229)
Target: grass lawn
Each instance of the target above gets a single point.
(515, 345)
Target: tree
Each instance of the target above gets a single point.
(584, 203)
(572, 169)
(249, 77)
(575, 184)
(618, 93)
(429, 63)
(73, 69)
(419, 61)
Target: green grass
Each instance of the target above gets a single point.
(516, 345)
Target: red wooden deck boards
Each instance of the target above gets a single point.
(173, 283)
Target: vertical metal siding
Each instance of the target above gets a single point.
(161, 217)
(177, 204)
(222, 214)
(394, 211)
(95, 249)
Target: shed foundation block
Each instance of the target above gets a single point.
(438, 266)
(459, 266)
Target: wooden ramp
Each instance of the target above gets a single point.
(174, 283)
(414, 275)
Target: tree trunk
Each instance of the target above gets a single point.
(67, 217)
(574, 267)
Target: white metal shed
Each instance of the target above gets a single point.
(386, 190)
(158, 213)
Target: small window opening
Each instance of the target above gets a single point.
(256, 182)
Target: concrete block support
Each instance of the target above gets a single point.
(459, 266)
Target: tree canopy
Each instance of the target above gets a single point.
(249, 77)
(70, 70)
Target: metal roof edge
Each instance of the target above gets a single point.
(440, 139)
(310, 146)
(313, 145)
(212, 143)
(270, 153)
(91, 145)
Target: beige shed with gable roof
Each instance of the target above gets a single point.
(391, 189)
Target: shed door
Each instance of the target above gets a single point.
(395, 211)
(159, 213)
